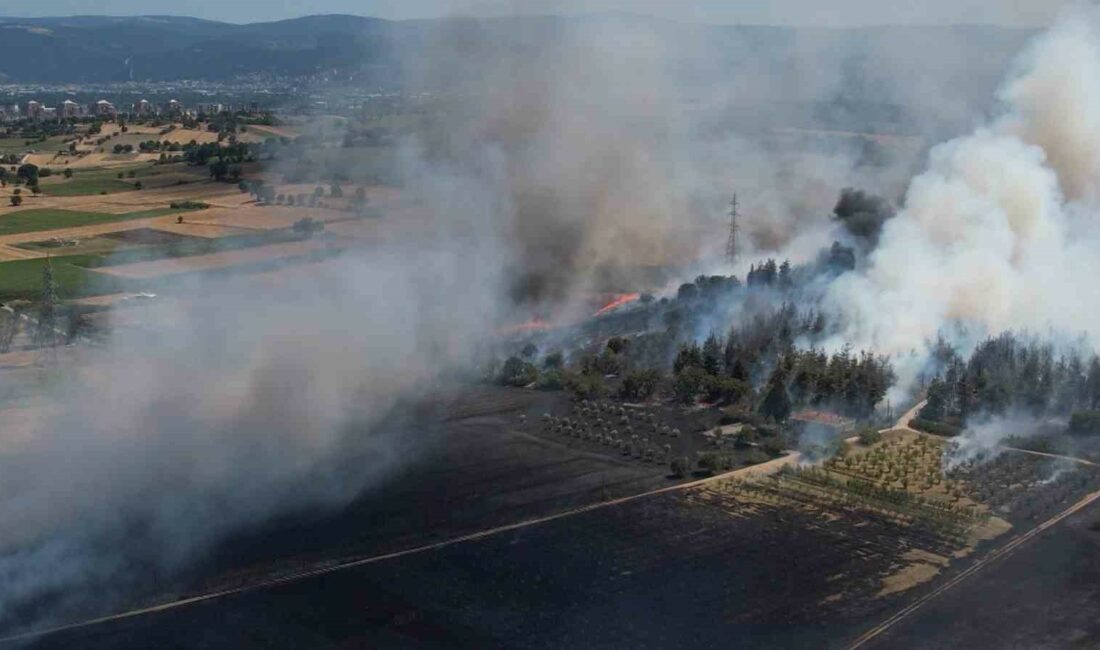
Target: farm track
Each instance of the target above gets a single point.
(1072, 459)
(764, 468)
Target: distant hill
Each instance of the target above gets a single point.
(846, 76)
(95, 48)
(99, 48)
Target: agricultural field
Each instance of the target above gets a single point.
(19, 145)
(23, 278)
(35, 220)
(92, 180)
(1042, 596)
(805, 558)
(230, 253)
(658, 434)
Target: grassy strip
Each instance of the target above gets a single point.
(51, 219)
(22, 279)
(198, 246)
(87, 186)
(105, 180)
(935, 428)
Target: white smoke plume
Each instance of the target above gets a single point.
(244, 403)
(1001, 231)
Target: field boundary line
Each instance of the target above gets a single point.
(753, 470)
(992, 557)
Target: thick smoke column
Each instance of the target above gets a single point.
(1001, 231)
(249, 402)
(613, 142)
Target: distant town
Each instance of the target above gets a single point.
(102, 108)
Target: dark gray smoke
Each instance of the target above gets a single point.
(862, 214)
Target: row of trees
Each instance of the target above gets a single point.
(849, 383)
(1012, 373)
(267, 193)
(768, 274)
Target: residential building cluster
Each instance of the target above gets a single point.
(36, 110)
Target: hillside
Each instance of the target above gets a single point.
(98, 48)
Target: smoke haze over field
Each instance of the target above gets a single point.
(247, 404)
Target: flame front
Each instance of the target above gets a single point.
(618, 301)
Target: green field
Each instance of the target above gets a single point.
(99, 180)
(84, 183)
(23, 278)
(19, 145)
(51, 219)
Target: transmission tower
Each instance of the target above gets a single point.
(731, 243)
(45, 332)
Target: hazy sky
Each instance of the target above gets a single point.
(785, 12)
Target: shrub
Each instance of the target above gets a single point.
(773, 446)
(307, 226)
(680, 466)
(1084, 423)
(688, 383)
(517, 372)
(617, 344)
(713, 463)
(725, 389)
(935, 428)
(188, 205)
(585, 384)
(550, 380)
(869, 436)
(640, 384)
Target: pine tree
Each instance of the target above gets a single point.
(777, 402)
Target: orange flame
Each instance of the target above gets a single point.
(616, 302)
(533, 325)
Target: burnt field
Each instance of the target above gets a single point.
(805, 558)
(666, 571)
(1045, 595)
(463, 468)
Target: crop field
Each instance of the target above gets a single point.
(256, 252)
(102, 180)
(20, 145)
(23, 278)
(702, 577)
(808, 557)
(1042, 596)
(1025, 488)
(654, 434)
(35, 220)
(115, 256)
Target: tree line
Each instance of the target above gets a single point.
(1012, 372)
